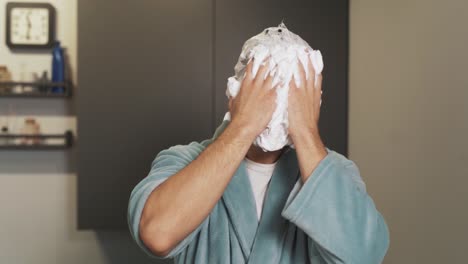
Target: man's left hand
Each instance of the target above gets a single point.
(303, 116)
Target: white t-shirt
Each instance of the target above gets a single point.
(259, 176)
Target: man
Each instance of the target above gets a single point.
(197, 204)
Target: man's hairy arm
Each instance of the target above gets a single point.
(177, 206)
(180, 204)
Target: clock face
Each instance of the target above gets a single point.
(29, 26)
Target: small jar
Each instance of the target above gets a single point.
(30, 127)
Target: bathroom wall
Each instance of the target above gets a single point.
(409, 122)
(38, 188)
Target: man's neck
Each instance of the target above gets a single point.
(256, 154)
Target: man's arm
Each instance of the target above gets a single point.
(180, 204)
(333, 208)
(329, 203)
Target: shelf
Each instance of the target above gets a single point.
(45, 86)
(33, 147)
(67, 141)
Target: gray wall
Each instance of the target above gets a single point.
(409, 122)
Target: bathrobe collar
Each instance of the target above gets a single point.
(239, 200)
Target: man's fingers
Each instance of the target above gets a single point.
(268, 81)
(292, 83)
(302, 73)
(318, 86)
(248, 70)
(311, 79)
(272, 92)
(259, 78)
(230, 103)
(318, 90)
(293, 89)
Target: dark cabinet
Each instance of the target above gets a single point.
(152, 74)
(144, 84)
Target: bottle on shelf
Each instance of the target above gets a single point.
(5, 76)
(58, 67)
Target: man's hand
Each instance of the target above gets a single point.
(303, 117)
(304, 102)
(253, 107)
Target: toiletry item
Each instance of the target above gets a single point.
(3, 140)
(58, 67)
(37, 131)
(30, 127)
(5, 76)
(42, 88)
(17, 89)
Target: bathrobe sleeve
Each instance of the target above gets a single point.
(167, 163)
(333, 208)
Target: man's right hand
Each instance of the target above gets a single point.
(254, 105)
(183, 201)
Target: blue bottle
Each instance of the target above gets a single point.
(58, 67)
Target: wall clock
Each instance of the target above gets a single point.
(30, 25)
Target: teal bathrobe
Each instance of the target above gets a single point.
(328, 219)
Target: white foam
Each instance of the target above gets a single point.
(285, 49)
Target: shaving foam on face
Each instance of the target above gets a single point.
(285, 49)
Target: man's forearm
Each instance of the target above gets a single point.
(183, 201)
(310, 151)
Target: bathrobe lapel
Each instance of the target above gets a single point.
(272, 226)
(260, 240)
(239, 201)
(240, 204)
